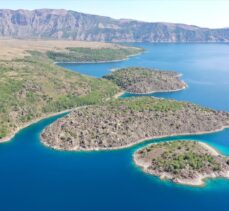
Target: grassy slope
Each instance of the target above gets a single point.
(17, 49)
(33, 87)
(145, 104)
(92, 55)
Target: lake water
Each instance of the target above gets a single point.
(34, 177)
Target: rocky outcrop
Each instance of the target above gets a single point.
(139, 80)
(122, 123)
(63, 24)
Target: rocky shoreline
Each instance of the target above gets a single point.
(185, 86)
(208, 164)
(132, 144)
(123, 123)
(139, 80)
(100, 62)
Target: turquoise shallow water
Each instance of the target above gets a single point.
(34, 177)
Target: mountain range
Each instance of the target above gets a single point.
(71, 25)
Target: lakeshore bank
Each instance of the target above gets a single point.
(160, 91)
(100, 62)
(136, 143)
(11, 136)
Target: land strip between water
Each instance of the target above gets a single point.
(125, 122)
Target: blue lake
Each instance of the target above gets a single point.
(34, 177)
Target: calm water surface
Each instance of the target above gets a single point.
(34, 177)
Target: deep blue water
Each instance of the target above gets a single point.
(33, 177)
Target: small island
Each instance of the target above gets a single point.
(139, 80)
(122, 123)
(183, 162)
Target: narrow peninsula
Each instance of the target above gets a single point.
(122, 123)
(139, 80)
(94, 55)
(184, 162)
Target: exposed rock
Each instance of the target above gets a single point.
(122, 123)
(140, 80)
(71, 25)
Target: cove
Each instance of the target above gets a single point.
(34, 177)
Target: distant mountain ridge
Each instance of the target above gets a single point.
(71, 25)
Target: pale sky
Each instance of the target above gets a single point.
(205, 13)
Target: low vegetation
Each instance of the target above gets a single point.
(182, 161)
(121, 123)
(32, 87)
(18, 49)
(143, 80)
(92, 55)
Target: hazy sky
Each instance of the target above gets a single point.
(207, 13)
